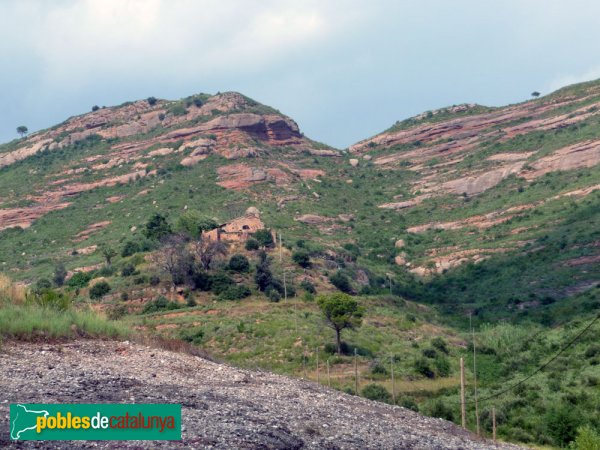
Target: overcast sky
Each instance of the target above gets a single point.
(343, 69)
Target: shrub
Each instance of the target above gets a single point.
(151, 101)
(157, 227)
(422, 367)
(440, 344)
(235, 292)
(220, 282)
(95, 108)
(128, 270)
(239, 263)
(587, 439)
(301, 258)
(308, 287)
(191, 301)
(252, 244)
(105, 271)
(178, 110)
(264, 238)
(41, 285)
(154, 280)
(51, 299)
(442, 411)
(201, 280)
(79, 280)
(124, 296)
(273, 295)
(442, 366)
(429, 353)
(60, 273)
(562, 424)
(409, 403)
(376, 392)
(130, 248)
(193, 336)
(99, 290)
(160, 304)
(341, 281)
(193, 223)
(379, 369)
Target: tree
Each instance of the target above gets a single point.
(173, 258)
(263, 276)
(341, 281)
(205, 251)
(151, 101)
(60, 273)
(108, 252)
(341, 311)
(22, 130)
(99, 290)
(157, 227)
(301, 258)
(264, 238)
(193, 223)
(239, 263)
(95, 108)
(535, 94)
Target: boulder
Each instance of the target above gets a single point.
(354, 162)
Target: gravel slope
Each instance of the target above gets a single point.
(223, 407)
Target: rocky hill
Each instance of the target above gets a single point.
(223, 407)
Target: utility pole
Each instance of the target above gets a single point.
(355, 371)
(317, 353)
(463, 408)
(494, 424)
(304, 362)
(475, 381)
(393, 381)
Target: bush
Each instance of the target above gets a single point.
(562, 424)
(60, 273)
(587, 439)
(191, 301)
(409, 403)
(379, 369)
(440, 344)
(193, 223)
(376, 392)
(442, 366)
(201, 280)
(79, 280)
(308, 287)
(154, 280)
(99, 290)
(41, 285)
(193, 336)
(264, 238)
(239, 263)
(273, 295)
(422, 367)
(220, 282)
(235, 292)
(151, 101)
(130, 248)
(301, 258)
(178, 110)
(52, 299)
(124, 296)
(157, 227)
(442, 411)
(341, 281)
(252, 244)
(160, 304)
(128, 270)
(429, 353)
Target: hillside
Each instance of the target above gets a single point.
(466, 215)
(223, 407)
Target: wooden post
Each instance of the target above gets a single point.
(494, 424)
(475, 381)
(280, 248)
(318, 378)
(355, 371)
(463, 407)
(328, 377)
(304, 362)
(393, 381)
(284, 287)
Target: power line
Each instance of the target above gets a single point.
(543, 366)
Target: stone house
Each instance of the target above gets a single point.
(236, 230)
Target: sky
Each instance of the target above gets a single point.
(343, 69)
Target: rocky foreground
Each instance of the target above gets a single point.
(223, 407)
